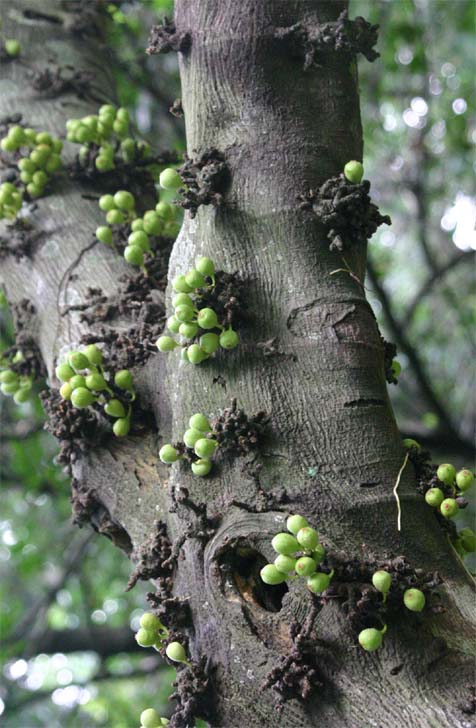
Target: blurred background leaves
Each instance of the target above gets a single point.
(67, 625)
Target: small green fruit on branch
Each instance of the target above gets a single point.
(231, 432)
(152, 633)
(149, 718)
(204, 306)
(85, 383)
(314, 43)
(37, 157)
(299, 553)
(10, 49)
(164, 38)
(343, 206)
(135, 235)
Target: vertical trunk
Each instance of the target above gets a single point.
(331, 432)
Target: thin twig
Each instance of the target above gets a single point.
(395, 493)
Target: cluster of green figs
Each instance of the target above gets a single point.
(85, 383)
(199, 437)
(299, 554)
(192, 320)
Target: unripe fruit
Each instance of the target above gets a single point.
(195, 354)
(164, 210)
(188, 330)
(446, 473)
(150, 718)
(21, 396)
(449, 508)
(82, 397)
(134, 255)
(176, 652)
(114, 408)
(229, 339)
(180, 284)
(319, 553)
(106, 203)
(201, 467)
(295, 523)
(9, 389)
(115, 217)
(467, 539)
(464, 479)
(434, 497)
(121, 427)
(370, 639)
(78, 360)
(66, 390)
(17, 135)
(104, 234)
(124, 200)
(308, 538)
(270, 575)
(64, 372)
(173, 324)
(141, 239)
(207, 318)
(205, 266)
(305, 566)
(195, 279)
(77, 381)
(12, 47)
(209, 343)
(354, 171)
(205, 448)
(150, 622)
(199, 422)
(396, 368)
(137, 224)
(123, 379)
(382, 581)
(153, 224)
(285, 564)
(8, 376)
(284, 543)
(414, 600)
(191, 437)
(94, 354)
(170, 179)
(145, 637)
(166, 343)
(408, 442)
(184, 313)
(96, 381)
(317, 583)
(168, 454)
(182, 299)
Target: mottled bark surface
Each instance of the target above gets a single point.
(332, 432)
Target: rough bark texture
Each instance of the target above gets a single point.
(332, 433)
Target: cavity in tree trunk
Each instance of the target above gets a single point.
(286, 119)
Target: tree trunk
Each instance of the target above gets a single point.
(321, 380)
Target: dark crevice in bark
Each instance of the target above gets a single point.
(38, 15)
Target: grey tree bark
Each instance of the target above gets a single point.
(332, 430)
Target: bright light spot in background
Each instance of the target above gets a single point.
(9, 538)
(2, 706)
(405, 55)
(448, 70)
(59, 660)
(390, 123)
(98, 616)
(67, 696)
(419, 106)
(17, 669)
(387, 238)
(438, 130)
(412, 119)
(459, 106)
(435, 86)
(462, 219)
(64, 677)
(397, 164)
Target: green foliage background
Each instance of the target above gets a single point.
(419, 154)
